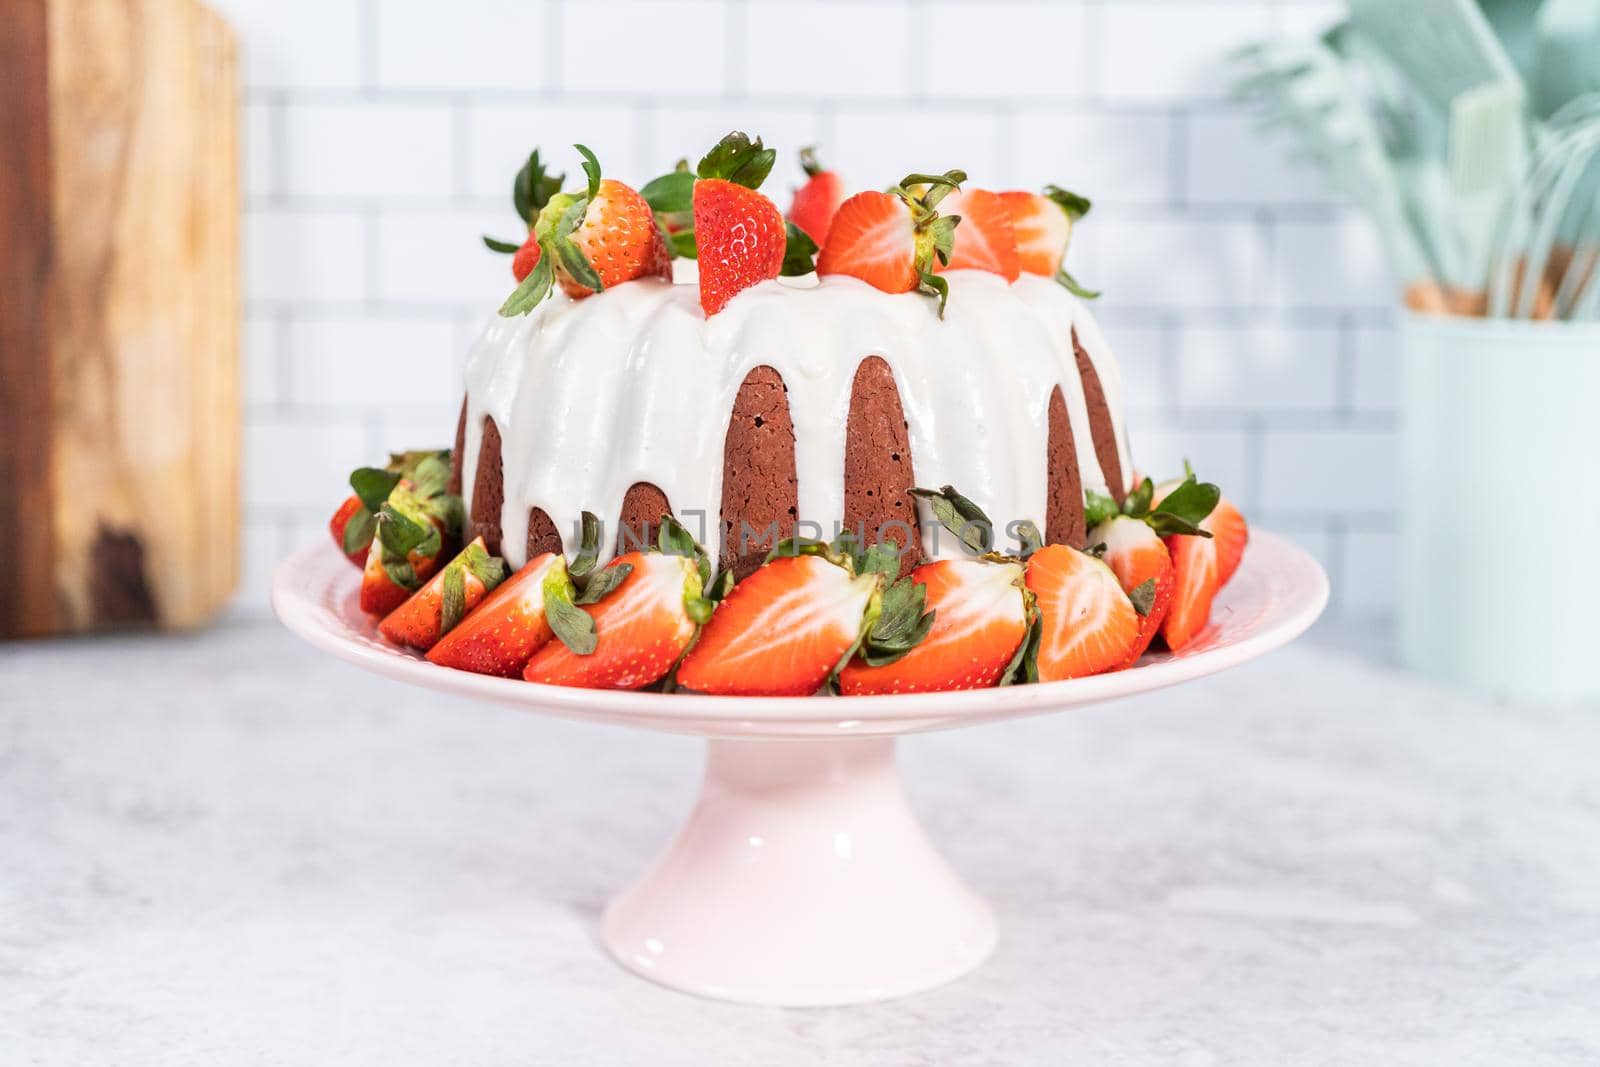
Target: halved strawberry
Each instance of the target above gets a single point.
(414, 528)
(816, 201)
(1043, 227)
(985, 239)
(785, 629)
(355, 522)
(1195, 584)
(509, 626)
(891, 240)
(438, 606)
(740, 238)
(359, 539)
(1232, 534)
(981, 613)
(602, 236)
(643, 621)
(1087, 623)
(1139, 559)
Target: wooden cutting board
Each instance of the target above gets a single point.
(119, 314)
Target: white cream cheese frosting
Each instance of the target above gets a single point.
(634, 384)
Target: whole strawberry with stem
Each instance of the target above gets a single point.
(1203, 560)
(1134, 539)
(1042, 224)
(740, 237)
(601, 236)
(418, 522)
(891, 240)
(356, 519)
(816, 202)
(531, 190)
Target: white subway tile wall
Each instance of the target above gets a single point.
(1250, 308)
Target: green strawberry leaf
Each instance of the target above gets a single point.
(1028, 537)
(1137, 503)
(799, 252)
(588, 548)
(533, 188)
(453, 603)
(1143, 596)
(721, 586)
(373, 485)
(573, 261)
(683, 244)
(934, 285)
(496, 245)
(604, 583)
(1186, 506)
(960, 516)
(490, 570)
(699, 609)
(570, 623)
(882, 558)
(901, 624)
(359, 530)
(1071, 285)
(808, 161)
(591, 170)
(1098, 508)
(534, 288)
(738, 159)
(670, 194)
(431, 476)
(1024, 666)
(674, 539)
(1074, 205)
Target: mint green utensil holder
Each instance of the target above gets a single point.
(1500, 565)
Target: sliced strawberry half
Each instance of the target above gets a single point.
(892, 240)
(1138, 557)
(1232, 534)
(785, 629)
(645, 615)
(1087, 624)
(981, 614)
(1195, 584)
(985, 240)
(817, 200)
(740, 238)
(509, 626)
(445, 600)
(1043, 225)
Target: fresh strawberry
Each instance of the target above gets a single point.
(436, 608)
(355, 522)
(981, 613)
(509, 626)
(1195, 584)
(1204, 554)
(891, 240)
(531, 190)
(414, 527)
(816, 201)
(1136, 555)
(602, 236)
(985, 239)
(642, 622)
(1087, 623)
(1229, 530)
(339, 526)
(785, 629)
(741, 240)
(1043, 227)
(526, 258)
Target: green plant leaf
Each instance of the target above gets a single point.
(1137, 503)
(934, 285)
(533, 188)
(684, 245)
(1098, 508)
(960, 516)
(359, 530)
(588, 548)
(1188, 504)
(604, 583)
(1074, 205)
(738, 159)
(373, 485)
(1071, 285)
(799, 252)
(1029, 538)
(1143, 596)
(453, 603)
(670, 194)
(1024, 666)
(533, 289)
(573, 261)
(570, 623)
(591, 170)
(496, 245)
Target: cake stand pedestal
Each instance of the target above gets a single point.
(802, 876)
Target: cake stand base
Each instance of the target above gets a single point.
(801, 878)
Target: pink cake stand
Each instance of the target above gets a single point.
(802, 876)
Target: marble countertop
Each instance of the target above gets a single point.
(228, 849)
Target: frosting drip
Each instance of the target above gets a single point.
(634, 385)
